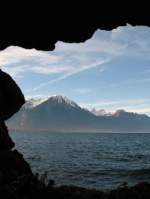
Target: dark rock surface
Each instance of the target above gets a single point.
(29, 187)
(6, 142)
(30, 27)
(42, 31)
(11, 100)
(11, 97)
(12, 165)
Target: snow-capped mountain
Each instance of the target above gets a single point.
(31, 103)
(100, 112)
(59, 99)
(58, 113)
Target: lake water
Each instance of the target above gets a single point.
(93, 160)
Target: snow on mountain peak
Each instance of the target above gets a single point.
(63, 99)
(33, 102)
(121, 112)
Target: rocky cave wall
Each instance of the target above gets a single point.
(41, 29)
(42, 32)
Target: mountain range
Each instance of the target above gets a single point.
(60, 114)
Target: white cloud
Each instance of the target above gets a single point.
(136, 39)
(17, 61)
(94, 45)
(66, 59)
(127, 104)
(14, 54)
(71, 59)
(74, 71)
(50, 70)
(145, 110)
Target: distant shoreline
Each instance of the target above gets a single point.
(91, 132)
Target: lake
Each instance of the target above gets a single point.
(93, 160)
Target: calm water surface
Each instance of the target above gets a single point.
(94, 160)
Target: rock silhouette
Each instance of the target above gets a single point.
(11, 100)
(32, 32)
(68, 22)
(6, 142)
(11, 97)
(12, 163)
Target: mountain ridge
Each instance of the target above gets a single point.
(58, 113)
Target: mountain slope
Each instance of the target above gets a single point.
(58, 113)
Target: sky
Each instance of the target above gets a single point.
(109, 71)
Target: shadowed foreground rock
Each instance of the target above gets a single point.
(12, 165)
(30, 186)
(66, 21)
(11, 96)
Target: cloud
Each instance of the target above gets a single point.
(18, 61)
(71, 59)
(14, 54)
(74, 71)
(136, 39)
(135, 105)
(64, 60)
(145, 110)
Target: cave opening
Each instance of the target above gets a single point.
(80, 90)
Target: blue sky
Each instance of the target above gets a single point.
(109, 71)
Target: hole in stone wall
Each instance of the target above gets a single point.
(101, 85)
